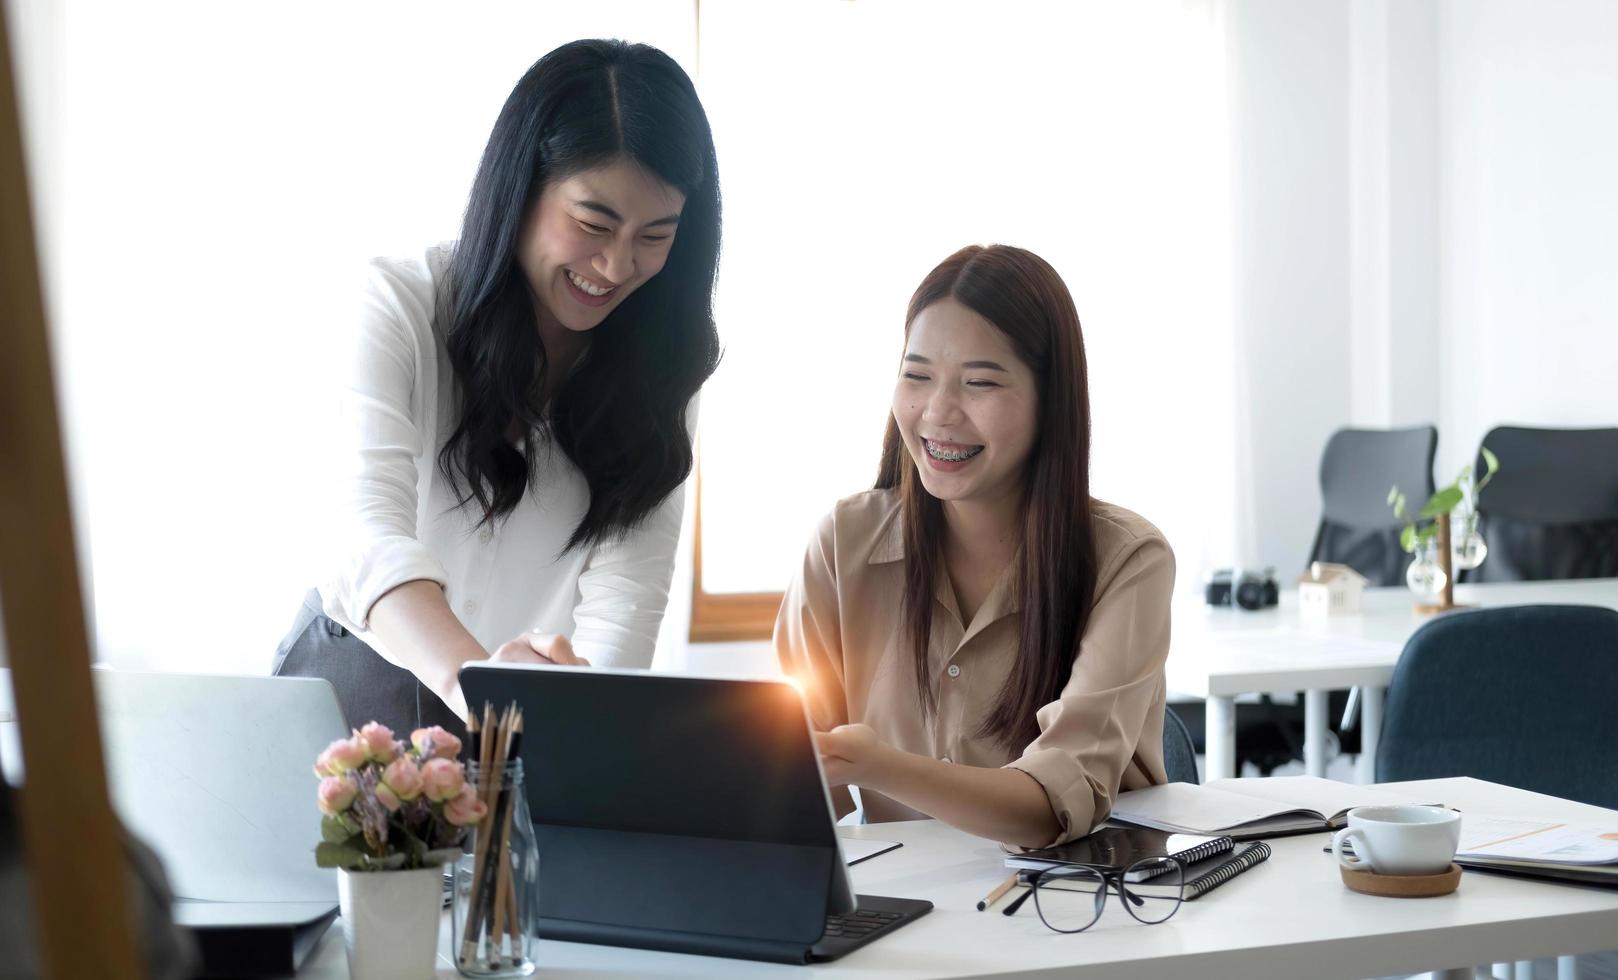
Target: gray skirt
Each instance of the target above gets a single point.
(368, 687)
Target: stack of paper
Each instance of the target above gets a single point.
(1581, 852)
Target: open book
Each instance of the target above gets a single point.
(1243, 809)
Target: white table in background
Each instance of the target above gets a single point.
(1220, 653)
(1289, 917)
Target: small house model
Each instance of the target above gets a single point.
(1327, 588)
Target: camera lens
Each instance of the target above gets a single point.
(1250, 594)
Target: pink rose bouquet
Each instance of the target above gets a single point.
(387, 804)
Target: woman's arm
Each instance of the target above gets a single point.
(421, 631)
(1000, 804)
(383, 579)
(809, 641)
(1065, 780)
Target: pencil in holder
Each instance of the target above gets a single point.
(492, 913)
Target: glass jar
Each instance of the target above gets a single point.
(1425, 576)
(492, 907)
(1467, 547)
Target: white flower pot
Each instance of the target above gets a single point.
(390, 922)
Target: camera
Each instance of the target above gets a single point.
(1249, 590)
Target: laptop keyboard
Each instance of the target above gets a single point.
(876, 917)
(860, 924)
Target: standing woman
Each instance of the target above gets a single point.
(977, 638)
(518, 409)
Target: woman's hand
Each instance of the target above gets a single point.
(539, 648)
(852, 754)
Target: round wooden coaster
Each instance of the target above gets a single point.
(1402, 886)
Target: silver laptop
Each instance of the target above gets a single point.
(216, 774)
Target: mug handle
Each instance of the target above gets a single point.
(1362, 859)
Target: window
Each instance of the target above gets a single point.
(883, 137)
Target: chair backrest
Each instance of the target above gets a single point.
(1552, 510)
(1179, 754)
(1357, 527)
(1519, 695)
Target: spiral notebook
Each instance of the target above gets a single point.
(1204, 876)
(1116, 848)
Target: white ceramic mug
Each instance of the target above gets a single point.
(1399, 840)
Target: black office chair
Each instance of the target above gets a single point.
(1179, 754)
(1357, 527)
(1519, 695)
(1551, 512)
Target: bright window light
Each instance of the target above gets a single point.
(862, 142)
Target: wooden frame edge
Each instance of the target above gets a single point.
(725, 617)
(78, 873)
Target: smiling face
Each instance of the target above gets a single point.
(966, 405)
(595, 237)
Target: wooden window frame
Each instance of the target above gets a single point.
(725, 617)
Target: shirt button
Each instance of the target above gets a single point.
(470, 607)
(954, 670)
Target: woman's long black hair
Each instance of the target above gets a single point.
(621, 415)
(1020, 294)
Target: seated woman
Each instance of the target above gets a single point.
(978, 639)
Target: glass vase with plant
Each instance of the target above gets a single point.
(1449, 538)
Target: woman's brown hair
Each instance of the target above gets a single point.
(1055, 569)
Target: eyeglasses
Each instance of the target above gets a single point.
(1070, 898)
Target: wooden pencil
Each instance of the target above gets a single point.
(514, 927)
(999, 892)
(481, 913)
(487, 737)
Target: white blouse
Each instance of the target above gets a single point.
(400, 520)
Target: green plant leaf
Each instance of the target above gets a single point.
(444, 855)
(392, 862)
(334, 830)
(1393, 494)
(1492, 463)
(1426, 534)
(1442, 502)
(330, 855)
(1407, 538)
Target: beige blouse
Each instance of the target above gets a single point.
(841, 633)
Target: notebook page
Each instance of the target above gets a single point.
(1327, 797)
(1194, 809)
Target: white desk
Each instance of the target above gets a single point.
(1289, 917)
(1219, 653)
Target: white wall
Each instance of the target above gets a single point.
(1425, 222)
(1528, 102)
(1288, 100)
(1393, 226)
